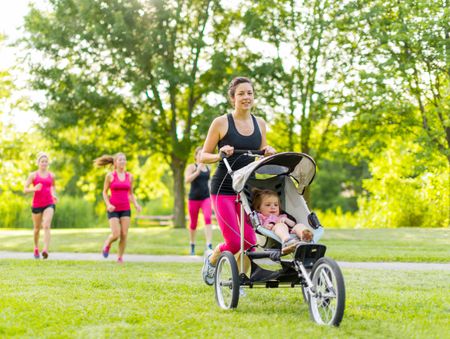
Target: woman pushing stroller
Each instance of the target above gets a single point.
(238, 130)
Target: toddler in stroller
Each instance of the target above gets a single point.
(267, 204)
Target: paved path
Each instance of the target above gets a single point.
(198, 259)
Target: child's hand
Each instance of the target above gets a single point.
(270, 226)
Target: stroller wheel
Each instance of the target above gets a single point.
(327, 303)
(226, 282)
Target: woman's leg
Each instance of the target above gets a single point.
(207, 213)
(125, 224)
(194, 209)
(37, 222)
(47, 217)
(227, 213)
(114, 225)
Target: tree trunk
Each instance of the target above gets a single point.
(178, 167)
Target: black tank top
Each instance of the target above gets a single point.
(199, 186)
(238, 141)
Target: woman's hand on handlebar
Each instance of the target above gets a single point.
(226, 150)
(269, 150)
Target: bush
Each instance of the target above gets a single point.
(15, 211)
(74, 212)
(338, 219)
(406, 190)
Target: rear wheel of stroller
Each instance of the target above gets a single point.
(327, 304)
(226, 282)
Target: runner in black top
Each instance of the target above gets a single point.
(198, 175)
(239, 130)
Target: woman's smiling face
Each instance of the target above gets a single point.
(243, 97)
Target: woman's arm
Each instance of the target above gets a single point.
(191, 173)
(132, 197)
(28, 182)
(106, 185)
(216, 132)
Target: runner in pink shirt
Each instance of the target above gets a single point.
(119, 183)
(43, 205)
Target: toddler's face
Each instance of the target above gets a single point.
(270, 205)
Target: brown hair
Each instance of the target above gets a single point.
(235, 83)
(107, 159)
(258, 196)
(198, 149)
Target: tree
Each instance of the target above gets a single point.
(299, 67)
(127, 75)
(402, 75)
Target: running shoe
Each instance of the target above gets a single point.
(120, 260)
(192, 249)
(209, 246)
(44, 254)
(208, 269)
(289, 246)
(36, 253)
(105, 251)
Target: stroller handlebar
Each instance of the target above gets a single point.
(254, 153)
(243, 152)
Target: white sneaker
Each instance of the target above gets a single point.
(208, 269)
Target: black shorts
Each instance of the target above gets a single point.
(38, 210)
(119, 214)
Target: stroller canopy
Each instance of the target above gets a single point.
(299, 166)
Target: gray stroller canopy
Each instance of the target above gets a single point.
(299, 166)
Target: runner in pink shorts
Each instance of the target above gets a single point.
(44, 200)
(197, 175)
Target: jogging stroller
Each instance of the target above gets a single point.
(320, 278)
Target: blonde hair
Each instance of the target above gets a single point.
(107, 159)
(259, 195)
(41, 155)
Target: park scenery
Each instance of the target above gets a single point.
(358, 89)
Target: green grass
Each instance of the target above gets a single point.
(58, 299)
(402, 244)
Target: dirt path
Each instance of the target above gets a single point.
(198, 259)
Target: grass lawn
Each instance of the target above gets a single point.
(403, 244)
(59, 299)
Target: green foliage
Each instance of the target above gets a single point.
(338, 219)
(406, 190)
(72, 212)
(15, 211)
(337, 185)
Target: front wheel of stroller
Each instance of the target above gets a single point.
(226, 282)
(327, 300)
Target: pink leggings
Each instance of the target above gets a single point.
(194, 208)
(228, 215)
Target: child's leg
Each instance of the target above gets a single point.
(282, 231)
(304, 233)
